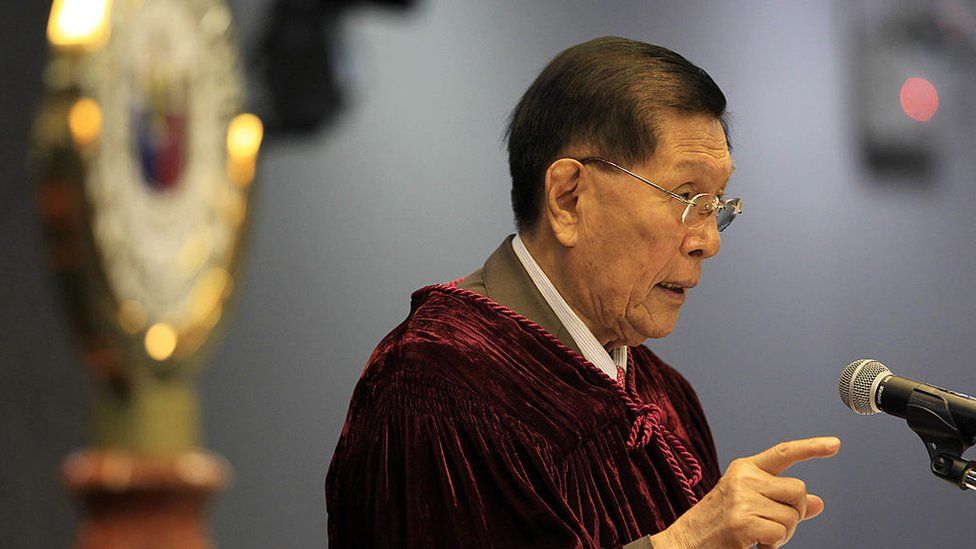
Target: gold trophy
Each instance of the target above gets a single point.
(144, 161)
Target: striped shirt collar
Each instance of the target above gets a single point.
(581, 334)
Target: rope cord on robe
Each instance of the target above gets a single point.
(648, 424)
(647, 420)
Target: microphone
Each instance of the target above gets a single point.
(945, 420)
(868, 387)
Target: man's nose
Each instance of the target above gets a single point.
(704, 241)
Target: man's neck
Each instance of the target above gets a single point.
(552, 260)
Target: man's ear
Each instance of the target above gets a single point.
(561, 200)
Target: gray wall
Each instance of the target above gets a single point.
(410, 187)
(42, 389)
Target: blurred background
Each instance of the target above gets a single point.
(857, 241)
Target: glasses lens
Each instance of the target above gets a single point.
(727, 213)
(701, 207)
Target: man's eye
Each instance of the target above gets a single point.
(686, 196)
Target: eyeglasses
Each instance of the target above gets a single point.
(698, 208)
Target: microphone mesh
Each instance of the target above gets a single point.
(844, 385)
(856, 381)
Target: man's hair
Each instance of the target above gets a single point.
(600, 98)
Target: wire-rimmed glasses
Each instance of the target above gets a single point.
(699, 207)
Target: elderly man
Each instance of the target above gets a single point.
(517, 407)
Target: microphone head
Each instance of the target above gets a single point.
(859, 382)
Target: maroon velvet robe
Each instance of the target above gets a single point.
(472, 426)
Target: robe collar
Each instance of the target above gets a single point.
(504, 280)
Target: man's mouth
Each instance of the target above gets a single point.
(674, 287)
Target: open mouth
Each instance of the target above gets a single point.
(671, 287)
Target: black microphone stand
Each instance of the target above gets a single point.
(929, 417)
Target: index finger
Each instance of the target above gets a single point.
(780, 457)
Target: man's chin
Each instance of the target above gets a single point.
(652, 328)
(658, 330)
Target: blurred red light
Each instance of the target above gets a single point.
(919, 99)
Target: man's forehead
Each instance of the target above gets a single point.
(693, 141)
(698, 165)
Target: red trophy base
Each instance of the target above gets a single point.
(135, 501)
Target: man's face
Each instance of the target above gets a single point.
(632, 243)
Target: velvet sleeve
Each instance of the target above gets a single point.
(422, 463)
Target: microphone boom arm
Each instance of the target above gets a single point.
(928, 416)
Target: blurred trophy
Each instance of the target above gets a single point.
(143, 162)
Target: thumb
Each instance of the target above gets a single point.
(815, 506)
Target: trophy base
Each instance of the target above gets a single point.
(137, 501)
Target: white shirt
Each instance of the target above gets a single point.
(584, 338)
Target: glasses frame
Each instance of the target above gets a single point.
(716, 205)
